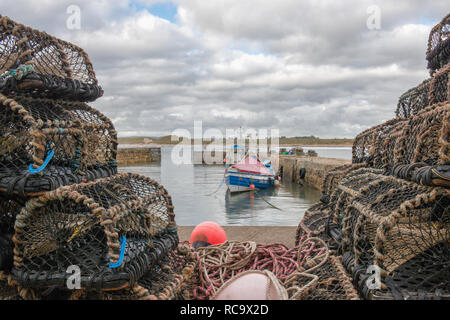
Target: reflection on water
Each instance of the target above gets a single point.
(199, 194)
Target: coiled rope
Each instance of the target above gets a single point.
(220, 263)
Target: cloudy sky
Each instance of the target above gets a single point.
(306, 67)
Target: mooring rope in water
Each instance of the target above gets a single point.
(220, 263)
(218, 188)
(256, 192)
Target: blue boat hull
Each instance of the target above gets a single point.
(237, 181)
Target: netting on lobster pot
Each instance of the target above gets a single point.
(49, 143)
(438, 51)
(391, 224)
(439, 86)
(425, 137)
(113, 229)
(313, 223)
(334, 177)
(35, 63)
(413, 100)
(326, 281)
(368, 146)
(421, 138)
(8, 211)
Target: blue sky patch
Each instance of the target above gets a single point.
(165, 10)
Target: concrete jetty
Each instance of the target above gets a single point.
(258, 234)
(315, 169)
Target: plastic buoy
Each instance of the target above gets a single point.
(206, 234)
(252, 187)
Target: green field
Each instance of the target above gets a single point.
(291, 141)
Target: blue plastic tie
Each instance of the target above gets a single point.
(122, 254)
(49, 157)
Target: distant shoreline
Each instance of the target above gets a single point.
(283, 142)
(280, 145)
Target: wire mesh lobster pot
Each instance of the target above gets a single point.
(424, 137)
(438, 51)
(114, 229)
(49, 143)
(35, 63)
(393, 223)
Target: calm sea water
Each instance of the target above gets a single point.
(199, 194)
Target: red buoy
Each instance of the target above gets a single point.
(206, 234)
(252, 187)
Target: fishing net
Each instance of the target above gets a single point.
(423, 137)
(49, 143)
(438, 51)
(114, 229)
(389, 222)
(35, 63)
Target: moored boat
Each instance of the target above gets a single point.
(248, 174)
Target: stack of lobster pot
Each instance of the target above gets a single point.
(67, 219)
(388, 213)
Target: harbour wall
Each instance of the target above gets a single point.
(315, 169)
(134, 156)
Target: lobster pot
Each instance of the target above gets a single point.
(328, 281)
(334, 177)
(35, 63)
(114, 229)
(390, 223)
(313, 223)
(49, 143)
(438, 51)
(171, 279)
(439, 86)
(431, 91)
(8, 211)
(424, 137)
(413, 100)
(366, 147)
